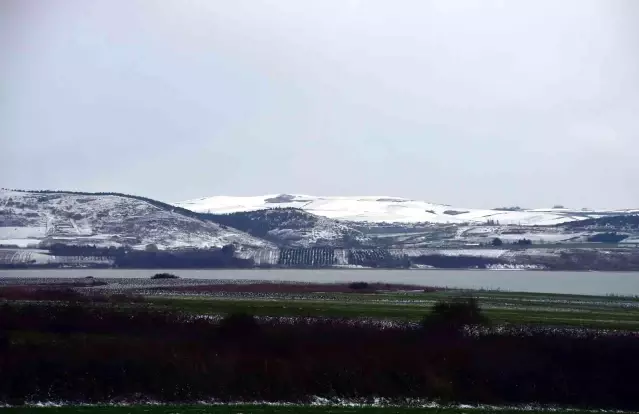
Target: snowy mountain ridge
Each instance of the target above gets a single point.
(40, 218)
(30, 218)
(379, 209)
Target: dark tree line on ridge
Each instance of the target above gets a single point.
(154, 259)
(611, 237)
(259, 223)
(623, 221)
(316, 257)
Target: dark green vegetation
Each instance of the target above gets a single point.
(622, 222)
(262, 409)
(386, 302)
(604, 259)
(355, 300)
(313, 257)
(506, 309)
(266, 223)
(79, 345)
(377, 258)
(223, 257)
(607, 238)
(164, 276)
(309, 257)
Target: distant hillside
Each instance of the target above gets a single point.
(291, 227)
(104, 219)
(372, 209)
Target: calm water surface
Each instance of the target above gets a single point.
(585, 283)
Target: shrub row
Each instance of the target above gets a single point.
(78, 353)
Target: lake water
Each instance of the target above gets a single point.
(585, 283)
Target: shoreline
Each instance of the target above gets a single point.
(313, 269)
(203, 287)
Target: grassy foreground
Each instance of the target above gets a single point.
(261, 409)
(501, 307)
(67, 345)
(375, 301)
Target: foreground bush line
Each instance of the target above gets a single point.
(122, 318)
(78, 353)
(75, 291)
(64, 293)
(281, 409)
(288, 287)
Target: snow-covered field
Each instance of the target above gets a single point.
(491, 253)
(510, 234)
(543, 237)
(19, 242)
(379, 209)
(21, 256)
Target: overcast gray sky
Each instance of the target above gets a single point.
(470, 103)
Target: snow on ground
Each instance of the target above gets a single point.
(334, 402)
(492, 253)
(541, 237)
(27, 232)
(510, 234)
(384, 209)
(20, 242)
(18, 256)
(341, 257)
(260, 256)
(533, 252)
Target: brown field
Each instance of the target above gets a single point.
(262, 287)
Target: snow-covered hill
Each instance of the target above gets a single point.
(292, 227)
(389, 210)
(27, 218)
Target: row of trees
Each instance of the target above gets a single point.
(225, 257)
(455, 262)
(521, 242)
(61, 249)
(210, 258)
(377, 258)
(616, 222)
(609, 237)
(311, 257)
(153, 258)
